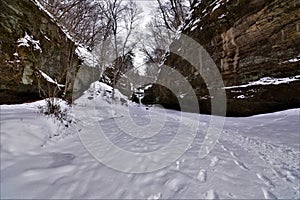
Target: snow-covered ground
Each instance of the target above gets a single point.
(255, 158)
(268, 81)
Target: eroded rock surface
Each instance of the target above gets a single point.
(247, 40)
(32, 41)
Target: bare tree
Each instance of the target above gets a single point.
(173, 12)
(81, 18)
(162, 29)
(103, 26)
(122, 16)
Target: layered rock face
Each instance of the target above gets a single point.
(33, 45)
(247, 40)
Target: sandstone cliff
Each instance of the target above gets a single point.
(35, 51)
(247, 40)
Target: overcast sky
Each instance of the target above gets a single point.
(147, 6)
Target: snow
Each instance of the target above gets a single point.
(182, 96)
(98, 88)
(155, 196)
(222, 16)
(292, 60)
(28, 41)
(49, 79)
(194, 27)
(216, 7)
(87, 57)
(198, 3)
(148, 86)
(241, 97)
(185, 26)
(196, 21)
(189, 14)
(47, 38)
(255, 158)
(268, 81)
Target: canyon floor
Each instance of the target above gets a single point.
(255, 157)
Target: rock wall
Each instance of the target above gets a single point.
(247, 40)
(32, 42)
(250, 39)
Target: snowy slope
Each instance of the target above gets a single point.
(256, 157)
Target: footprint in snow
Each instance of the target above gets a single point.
(202, 175)
(241, 165)
(214, 161)
(265, 180)
(281, 175)
(233, 155)
(211, 194)
(224, 148)
(155, 196)
(268, 194)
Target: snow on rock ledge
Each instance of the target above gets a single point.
(88, 58)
